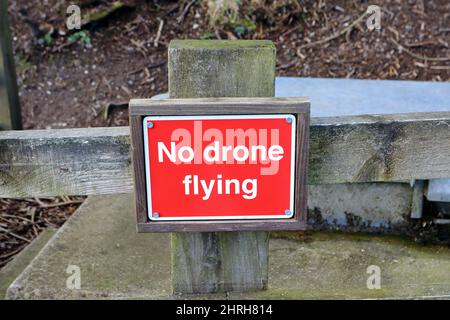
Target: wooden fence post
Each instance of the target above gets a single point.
(10, 117)
(220, 261)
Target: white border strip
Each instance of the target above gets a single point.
(216, 117)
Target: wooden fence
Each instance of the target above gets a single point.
(90, 161)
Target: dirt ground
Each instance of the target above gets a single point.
(83, 79)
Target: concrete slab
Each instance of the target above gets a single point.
(346, 97)
(114, 261)
(362, 207)
(439, 190)
(335, 266)
(117, 263)
(14, 268)
(338, 97)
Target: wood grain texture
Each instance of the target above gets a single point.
(301, 167)
(372, 148)
(215, 261)
(137, 151)
(84, 161)
(90, 161)
(10, 116)
(221, 106)
(224, 226)
(219, 262)
(221, 68)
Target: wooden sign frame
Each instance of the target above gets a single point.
(140, 108)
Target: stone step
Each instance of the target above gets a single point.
(14, 268)
(117, 263)
(114, 261)
(338, 266)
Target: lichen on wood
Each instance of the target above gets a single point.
(211, 68)
(214, 261)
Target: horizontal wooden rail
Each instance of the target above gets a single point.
(91, 161)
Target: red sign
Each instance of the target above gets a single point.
(220, 167)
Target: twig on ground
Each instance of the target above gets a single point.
(113, 105)
(395, 32)
(288, 32)
(14, 235)
(62, 46)
(16, 217)
(217, 34)
(335, 35)
(286, 66)
(185, 11)
(172, 9)
(158, 34)
(50, 224)
(9, 254)
(151, 66)
(417, 56)
(66, 203)
(140, 45)
(41, 204)
(440, 67)
(429, 43)
(32, 213)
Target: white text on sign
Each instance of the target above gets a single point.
(217, 152)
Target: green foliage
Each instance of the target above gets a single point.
(228, 15)
(48, 39)
(241, 17)
(207, 35)
(22, 64)
(102, 14)
(242, 26)
(82, 36)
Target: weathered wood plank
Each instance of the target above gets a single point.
(224, 68)
(73, 161)
(220, 261)
(92, 161)
(10, 117)
(222, 106)
(224, 225)
(380, 148)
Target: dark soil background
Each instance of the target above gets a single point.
(80, 79)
